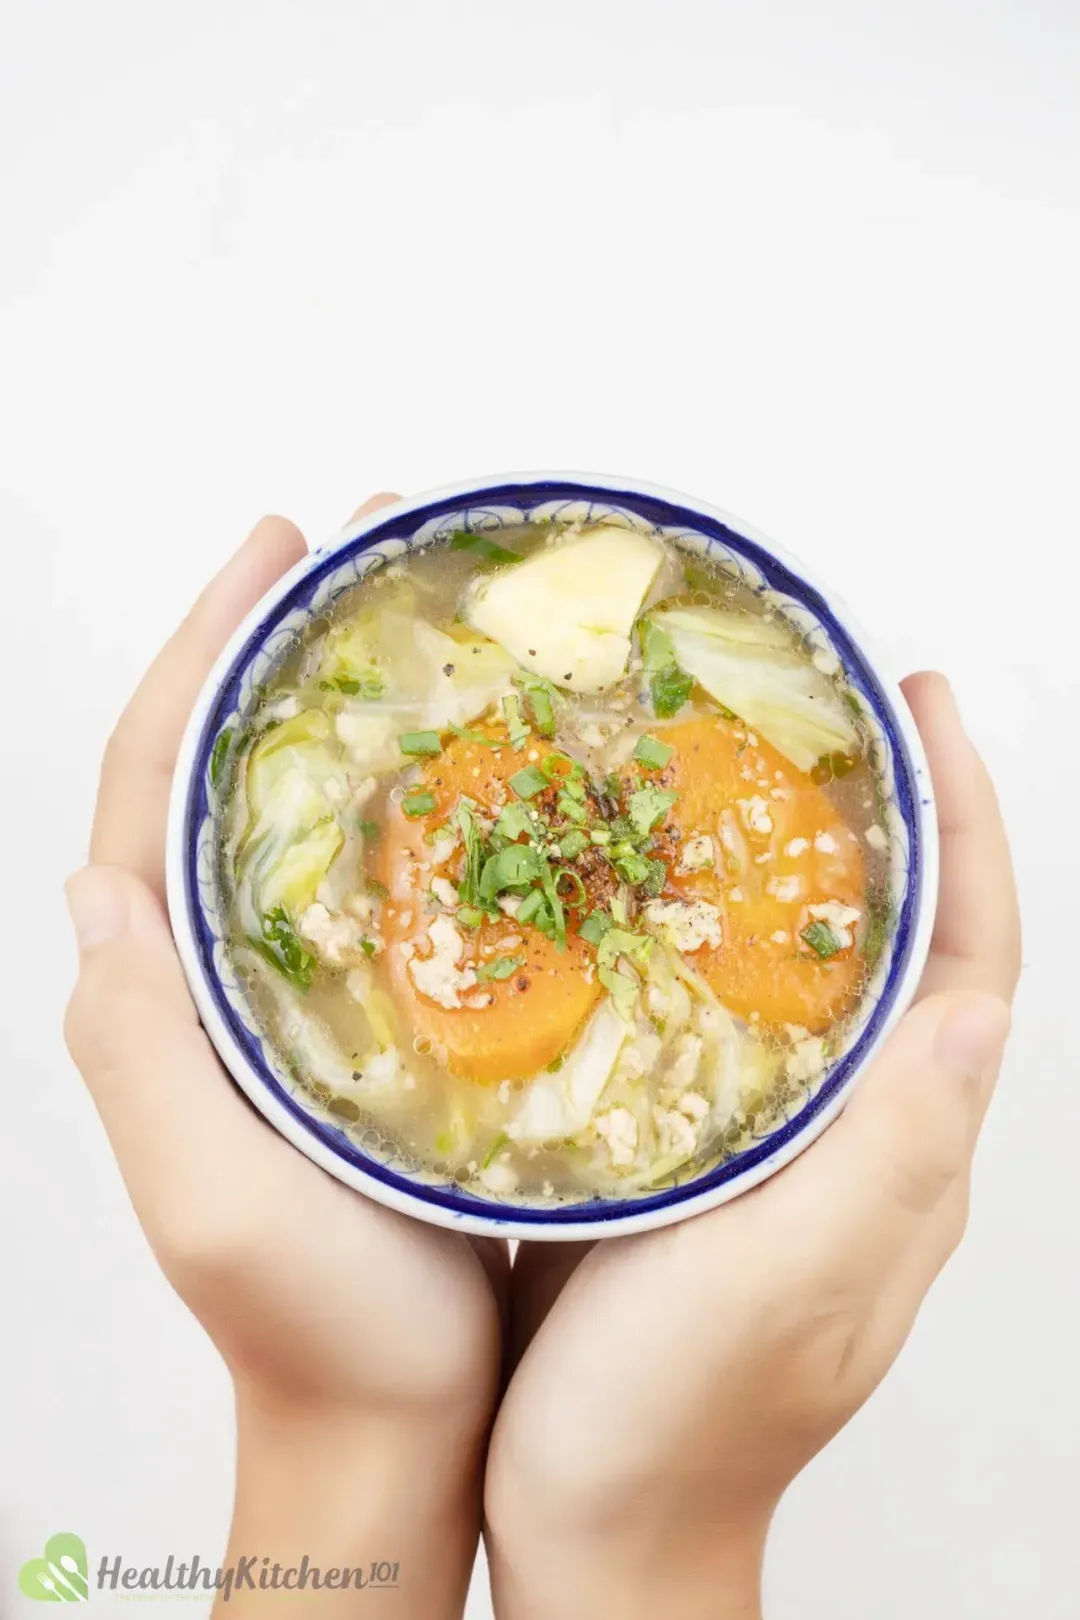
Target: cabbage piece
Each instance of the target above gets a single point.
(429, 681)
(560, 1105)
(566, 612)
(292, 836)
(750, 666)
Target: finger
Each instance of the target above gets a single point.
(374, 503)
(133, 1031)
(136, 777)
(885, 1185)
(976, 942)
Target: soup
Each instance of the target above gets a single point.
(554, 862)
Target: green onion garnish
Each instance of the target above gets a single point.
(420, 742)
(572, 843)
(418, 804)
(515, 725)
(821, 939)
(652, 754)
(469, 916)
(480, 546)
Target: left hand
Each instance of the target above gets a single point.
(342, 1322)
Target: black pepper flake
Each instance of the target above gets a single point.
(532, 652)
(522, 983)
(448, 669)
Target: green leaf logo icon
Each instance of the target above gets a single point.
(61, 1575)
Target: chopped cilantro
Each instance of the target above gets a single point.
(648, 806)
(501, 968)
(670, 689)
(529, 782)
(280, 946)
(595, 926)
(515, 821)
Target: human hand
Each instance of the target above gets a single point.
(365, 1347)
(672, 1385)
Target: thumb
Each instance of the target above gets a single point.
(885, 1189)
(169, 1112)
(914, 1122)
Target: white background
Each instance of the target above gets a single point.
(818, 263)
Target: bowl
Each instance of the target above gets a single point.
(264, 640)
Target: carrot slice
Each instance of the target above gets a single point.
(527, 1020)
(780, 847)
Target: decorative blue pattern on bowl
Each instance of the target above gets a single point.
(308, 594)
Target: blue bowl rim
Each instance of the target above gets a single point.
(325, 1142)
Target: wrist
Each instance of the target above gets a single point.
(390, 1499)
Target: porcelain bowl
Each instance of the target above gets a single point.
(307, 592)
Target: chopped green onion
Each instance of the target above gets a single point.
(469, 887)
(501, 968)
(368, 947)
(600, 835)
(528, 782)
(469, 916)
(631, 867)
(480, 546)
(418, 804)
(219, 755)
(595, 926)
(656, 649)
(531, 909)
(470, 735)
(577, 887)
(821, 939)
(572, 843)
(652, 754)
(555, 905)
(515, 725)
(420, 742)
(572, 809)
(557, 767)
(542, 712)
(495, 1149)
(653, 882)
(368, 829)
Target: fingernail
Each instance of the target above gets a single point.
(972, 1035)
(98, 906)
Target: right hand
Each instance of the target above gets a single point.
(672, 1385)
